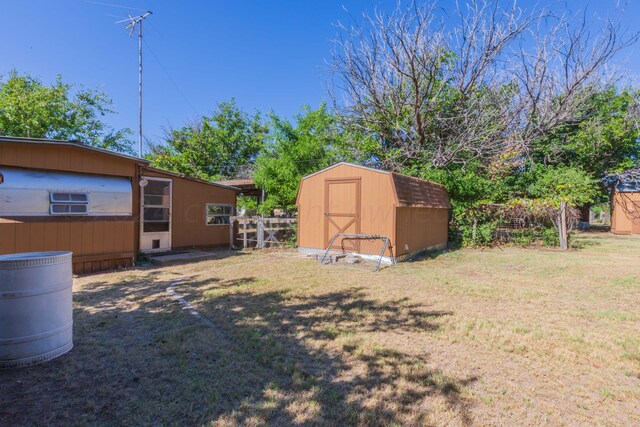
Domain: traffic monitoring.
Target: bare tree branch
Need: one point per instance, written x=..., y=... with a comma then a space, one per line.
x=486, y=87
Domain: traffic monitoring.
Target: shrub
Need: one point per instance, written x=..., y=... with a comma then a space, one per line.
x=550, y=237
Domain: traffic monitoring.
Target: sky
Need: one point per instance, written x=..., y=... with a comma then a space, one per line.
x=270, y=55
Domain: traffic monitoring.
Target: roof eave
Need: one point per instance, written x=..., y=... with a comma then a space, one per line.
x=190, y=178
x=65, y=143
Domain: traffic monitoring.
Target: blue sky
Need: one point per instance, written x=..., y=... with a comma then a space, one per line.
x=268, y=54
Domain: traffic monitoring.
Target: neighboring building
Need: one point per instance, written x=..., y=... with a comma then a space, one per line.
x=347, y=198
x=625, y=203
x=248, y=189
x=103, y=206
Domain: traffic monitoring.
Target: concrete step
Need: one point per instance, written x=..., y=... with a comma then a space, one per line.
x=184, y=256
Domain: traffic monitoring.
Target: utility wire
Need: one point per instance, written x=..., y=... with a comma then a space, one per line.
x=113, y=5
x=169, y=76
x=156, y=29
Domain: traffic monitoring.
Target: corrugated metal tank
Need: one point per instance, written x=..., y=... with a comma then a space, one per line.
x=36, y=313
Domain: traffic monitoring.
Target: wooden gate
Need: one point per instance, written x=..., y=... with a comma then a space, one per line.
x=341, y=207
x=258, y=232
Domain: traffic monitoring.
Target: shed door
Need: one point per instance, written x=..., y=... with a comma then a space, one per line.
x=341, y=207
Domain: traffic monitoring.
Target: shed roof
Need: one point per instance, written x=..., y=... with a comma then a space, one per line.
x=627, y=181
x=411, y=191
x=418, y=192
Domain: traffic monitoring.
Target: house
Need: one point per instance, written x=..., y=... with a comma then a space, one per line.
x=625, y=203
x=348, y=198
x=103, y=206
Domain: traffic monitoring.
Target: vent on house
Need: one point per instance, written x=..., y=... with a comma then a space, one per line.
x=67, y=209
x=69, y=198
x=68, y=203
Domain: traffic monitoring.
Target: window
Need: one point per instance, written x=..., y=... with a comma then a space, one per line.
x=68, y=198
x=219, y=214
x=68, y=203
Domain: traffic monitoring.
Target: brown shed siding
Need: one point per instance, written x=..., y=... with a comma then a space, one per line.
x=376, y=206
x=188, y=214
x=420, y=228
x=97, y=243
x=625, y=217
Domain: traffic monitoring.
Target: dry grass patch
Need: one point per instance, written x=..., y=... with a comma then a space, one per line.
x=493, y=337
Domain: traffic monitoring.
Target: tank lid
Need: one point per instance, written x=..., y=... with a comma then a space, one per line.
x=33, y=259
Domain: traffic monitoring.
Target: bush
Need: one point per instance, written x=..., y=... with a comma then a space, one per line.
x=550, y=237
x=483, y=235
x=524, y=238
x=292, y=240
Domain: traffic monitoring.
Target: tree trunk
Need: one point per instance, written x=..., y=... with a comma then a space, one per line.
x=562, y=226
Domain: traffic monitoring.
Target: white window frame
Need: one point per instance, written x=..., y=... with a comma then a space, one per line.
x=206, y=213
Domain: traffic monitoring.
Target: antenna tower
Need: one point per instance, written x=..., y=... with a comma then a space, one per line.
x=133, y=22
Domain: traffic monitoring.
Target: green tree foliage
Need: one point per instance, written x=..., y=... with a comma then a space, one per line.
x=223, y=145
x=602, y=139
x=29, y=108
x=470, y=189
x=313, y=142
x=565, y=184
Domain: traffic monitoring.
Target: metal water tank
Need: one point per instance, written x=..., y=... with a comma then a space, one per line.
x=36, y=313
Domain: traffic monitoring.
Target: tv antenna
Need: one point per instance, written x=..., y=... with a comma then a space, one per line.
x=133, y=22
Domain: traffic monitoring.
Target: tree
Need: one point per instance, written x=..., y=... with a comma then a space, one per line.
x=564, y=186
x=603, y=139
x=295, y=150
x=479, y=97
x=486, y=87
x=29, y=108
x=224, y=145
x=430, y=95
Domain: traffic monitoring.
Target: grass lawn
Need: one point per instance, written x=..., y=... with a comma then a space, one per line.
x=471, y=337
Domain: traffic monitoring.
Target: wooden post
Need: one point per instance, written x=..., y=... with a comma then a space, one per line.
x=244, y=232
x=260, y=232
x=231, y=236
x=562, y=222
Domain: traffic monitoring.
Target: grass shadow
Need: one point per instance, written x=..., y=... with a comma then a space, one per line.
x=274, y=357
x=320, y=373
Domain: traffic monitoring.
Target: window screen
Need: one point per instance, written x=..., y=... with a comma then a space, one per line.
x=218, y=214
x=157, y=206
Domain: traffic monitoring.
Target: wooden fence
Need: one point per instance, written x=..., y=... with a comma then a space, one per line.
x=258, y=232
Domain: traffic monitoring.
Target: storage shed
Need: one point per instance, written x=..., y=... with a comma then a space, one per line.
x=103, y=206
x=625, y=203
x=348, y=198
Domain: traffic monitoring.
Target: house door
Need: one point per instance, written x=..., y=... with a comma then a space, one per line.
x=155, y=235
x=341, y=207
